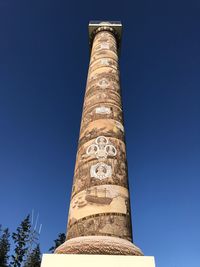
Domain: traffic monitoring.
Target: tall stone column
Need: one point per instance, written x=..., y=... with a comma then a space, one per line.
x=99, y=220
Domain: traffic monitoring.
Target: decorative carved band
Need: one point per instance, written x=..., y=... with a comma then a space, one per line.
x=106, y=29
x=102, y=245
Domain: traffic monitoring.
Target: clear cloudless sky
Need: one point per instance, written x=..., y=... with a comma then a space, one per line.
x=44, y=56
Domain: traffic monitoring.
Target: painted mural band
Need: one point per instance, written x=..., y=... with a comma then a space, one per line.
x=103, y=111
x=104, y=37
x=104, y=54
x=101, y=41
x=105, y=43
x=110, y=97
x=106, y=127
x=92, y=172
x=114, y=101
x=94, y=77
x=106, y=64
x=105, y=47
x=107, y=224
x=103, y=85
x=99, y=199
x=108, y=44
x=104, y=69
x=104, y=61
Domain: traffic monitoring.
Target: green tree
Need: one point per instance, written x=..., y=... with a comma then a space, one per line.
x=21, y=240
x=57, y=242
x=4, y=247
x=34, y=258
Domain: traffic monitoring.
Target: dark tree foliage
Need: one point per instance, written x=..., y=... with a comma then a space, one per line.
x=57, y=242
x=34, y=258
x=21, y=239
x=27, y=249
x=4, y=247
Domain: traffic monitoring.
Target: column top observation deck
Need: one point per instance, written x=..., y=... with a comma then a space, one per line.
x=113, y=26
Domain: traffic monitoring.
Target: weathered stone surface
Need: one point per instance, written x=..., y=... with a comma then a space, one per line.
x=100, y=196
x=103, y=245
x=99, y=220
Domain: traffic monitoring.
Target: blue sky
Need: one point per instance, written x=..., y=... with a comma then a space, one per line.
x=44, y=57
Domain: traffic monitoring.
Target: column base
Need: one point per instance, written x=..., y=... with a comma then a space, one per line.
x=103, y=245
x=53, y=260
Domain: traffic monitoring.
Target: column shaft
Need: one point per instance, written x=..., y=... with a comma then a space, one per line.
x=100, y=196
x=99, y=220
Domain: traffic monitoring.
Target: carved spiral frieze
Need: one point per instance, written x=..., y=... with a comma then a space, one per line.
x=100, y=198
x=99, y=220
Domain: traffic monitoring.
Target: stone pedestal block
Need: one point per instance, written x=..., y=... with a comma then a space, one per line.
x=73, y=260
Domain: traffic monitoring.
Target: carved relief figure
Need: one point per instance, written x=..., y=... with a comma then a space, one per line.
x=100, y=171
x=98, y=199
x=104, y=127
x=103, y=111
x=102, y=148
x=111, y=224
